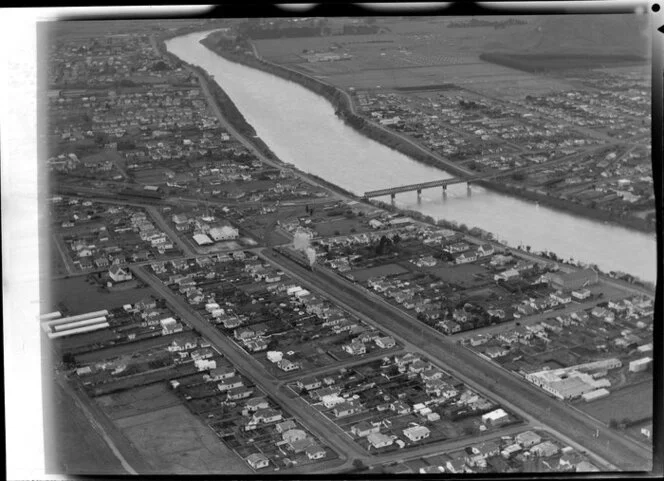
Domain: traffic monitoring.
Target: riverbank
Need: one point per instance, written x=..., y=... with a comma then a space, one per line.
x=341, y=102
x=568, y=206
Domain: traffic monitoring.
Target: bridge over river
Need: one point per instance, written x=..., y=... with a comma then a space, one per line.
x=392, y=191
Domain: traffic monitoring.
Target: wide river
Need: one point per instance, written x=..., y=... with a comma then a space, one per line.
x=302, y=129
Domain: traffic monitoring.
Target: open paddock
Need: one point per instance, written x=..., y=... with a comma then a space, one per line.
x=80, y=295
x=179, y=443
x=384, y=270
x=633, y=403
x=462, y=274
x=137, y=401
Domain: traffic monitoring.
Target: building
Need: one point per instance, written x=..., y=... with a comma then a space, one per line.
x=528, y=439
x=496, y=417
x=345, y=409
x=257, y=461
x=222, y=233
x=545, y=449
x=379, y=440
x=285, y=426
x=385, y=342
x=594, y=395
x=416, y=433
x=315, y=452
x=364, y=428
x=202, y=239
x=293, y=435
x=640, y=364
x=118, y=274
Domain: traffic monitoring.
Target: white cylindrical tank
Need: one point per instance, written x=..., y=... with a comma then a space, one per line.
x=80, y=330
x=50, y=316
x=74, y=325
x=80, y=317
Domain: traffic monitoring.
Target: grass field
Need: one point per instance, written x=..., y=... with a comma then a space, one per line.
x=137, y=401
x=633, y=402
x=384, y=270
x=179, y=443
x=461, y=274
x=80, y=296
x=72, y=445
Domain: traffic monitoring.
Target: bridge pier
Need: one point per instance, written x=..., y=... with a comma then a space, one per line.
x=393, y=196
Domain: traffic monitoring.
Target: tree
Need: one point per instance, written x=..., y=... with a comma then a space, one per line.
x=359, y=465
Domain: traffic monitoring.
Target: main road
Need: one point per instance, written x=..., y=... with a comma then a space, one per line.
x=478, y=373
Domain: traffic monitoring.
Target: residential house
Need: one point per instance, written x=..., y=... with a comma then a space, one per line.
x=380, y=440
x=293, y=435
x=364, y=428
x=416, y=433
x=315, y=452
x=346, y=409
x=287, y=365
x=256, y=404
x=118, y=274
x=545, y=449
x=285, y=426
x=309, y=383
x=257, y=461
x=267, y=415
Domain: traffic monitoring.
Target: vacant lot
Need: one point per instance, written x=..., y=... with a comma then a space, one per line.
x=385, y=270
x=137, y=401
x=79, y=295
x=179, y=443
x=633, y=403
x=74, y=447
x=462, y=274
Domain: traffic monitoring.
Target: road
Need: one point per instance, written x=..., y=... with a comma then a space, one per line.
x=506, y=387
x=163, y=225
x=315, y=421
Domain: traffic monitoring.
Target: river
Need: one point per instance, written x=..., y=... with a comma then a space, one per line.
x=302, y=129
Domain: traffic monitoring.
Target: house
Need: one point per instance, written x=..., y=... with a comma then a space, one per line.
x=379, y=440
x=457, y=465
x=465, y=257
x=486, y=449
x=240, y=392
x=545, y=449
x=257, y=461
x=385, y=342
x=266, y=416
x=400, y=407
x=355, y=348
x=293, y=435
x=364, y=428
x=301, y=445
x=224, y=233
x=256, y=345
x=346, y=409
x=118, y=274
x=495, y=417
x=257, y=403
x=286, y=365
x=222, y=372
x=416, y=433
x=148, y=302
x=170, y=326
x=495, y=351
x=485, y=250
x=309, y=383
x=528, y=439
x=285, y=426
x=315, y=452
x=228, y=384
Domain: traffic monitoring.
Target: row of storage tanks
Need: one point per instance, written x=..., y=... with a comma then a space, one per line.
x=57, y=326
